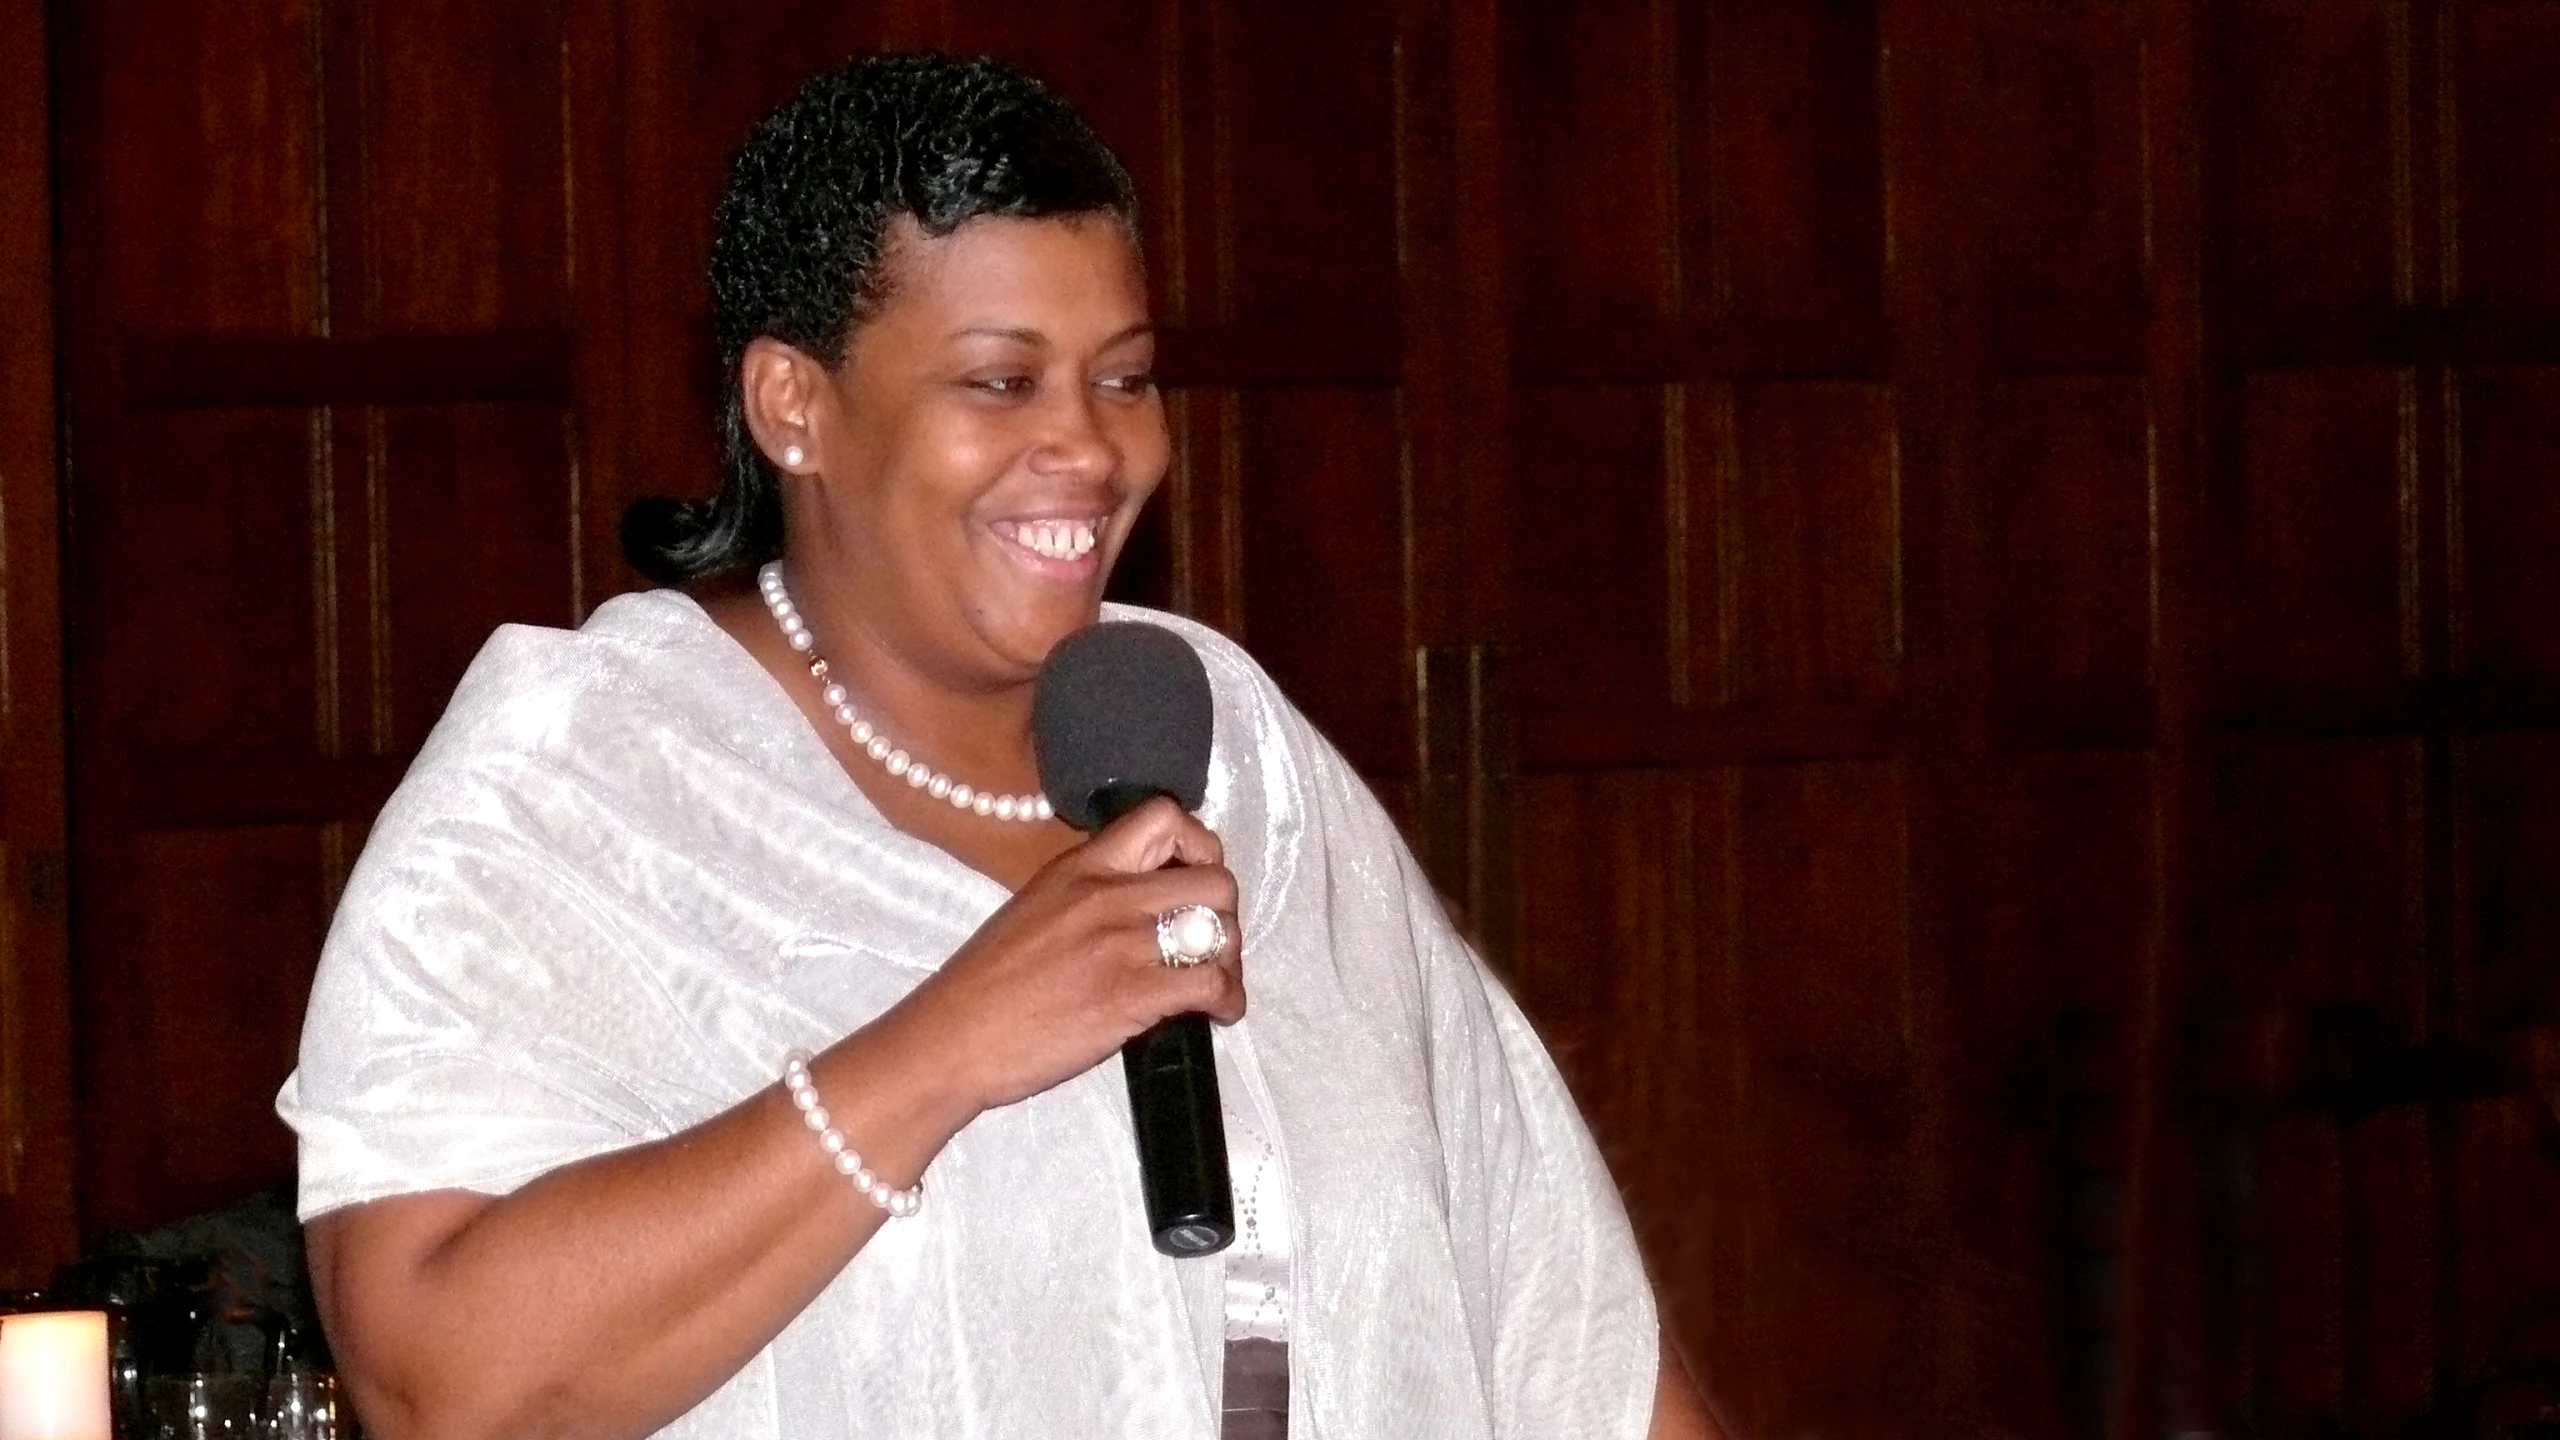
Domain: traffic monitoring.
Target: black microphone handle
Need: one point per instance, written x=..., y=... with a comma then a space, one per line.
x=1182, y=1136
x=1173, y=1103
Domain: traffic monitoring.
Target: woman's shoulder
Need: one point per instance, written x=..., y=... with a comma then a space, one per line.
x=534, y=688
x=617, y=710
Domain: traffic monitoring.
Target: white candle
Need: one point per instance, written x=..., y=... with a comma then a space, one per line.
x=53, y=1376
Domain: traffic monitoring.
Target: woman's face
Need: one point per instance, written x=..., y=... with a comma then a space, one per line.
x=984, y=449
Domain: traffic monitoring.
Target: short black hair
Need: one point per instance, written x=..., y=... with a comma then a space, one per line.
x=798, y=235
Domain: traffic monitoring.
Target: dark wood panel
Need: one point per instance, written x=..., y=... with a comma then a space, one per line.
x=1276, y=351
x=188, y=371
x=269, y=574
x=2067, y=909
x=1766, y=1170
x=2056, y=912
x=1826, y=973
x=1201, y=507
x=1827, y=1000
x=2169, y=1369
x=473, y=532
x=2508, y=529
x=1579, y=727
x=2446, y=707
x=212, y=633
x=2506, y=201
x=1592, y=827
x=2315, y=124
x=1587, y=165
x=2508, y=1188
x=1323, y=564
x=216, y=1017
x=211, y=214
x=2298, y=1306
x=1638, y=349
x=1590, y=547
x=1778, y=118
x=464, y=182
x=2314, y=899
x=2471, y=333
x=2507, y=838
x=1810, y=549
x=2063, y=243
x=2390, y=1316
x=2066, y=501
x=2323, y=567
x=2026, y=339
x=38, y=1219
x=1306, y=183
x=595, y=42
x=232, y=792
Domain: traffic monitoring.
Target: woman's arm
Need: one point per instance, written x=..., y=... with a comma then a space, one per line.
x=1678, y=1412
x=610, y=1296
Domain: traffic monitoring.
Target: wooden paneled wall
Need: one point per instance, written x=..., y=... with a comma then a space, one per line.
x=1955, y=587
x=37, y=1213
x=2374, y=985
x=2007, y=690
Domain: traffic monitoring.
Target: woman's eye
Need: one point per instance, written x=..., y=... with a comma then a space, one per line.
x=1141, y=383
x=1009, y=386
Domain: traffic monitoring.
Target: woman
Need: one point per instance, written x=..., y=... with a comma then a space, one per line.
x=565, y=1167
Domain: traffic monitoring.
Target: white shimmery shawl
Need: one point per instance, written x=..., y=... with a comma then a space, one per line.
x=625, y=876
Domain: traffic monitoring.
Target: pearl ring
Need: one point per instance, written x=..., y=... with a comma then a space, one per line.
x=1190, y=935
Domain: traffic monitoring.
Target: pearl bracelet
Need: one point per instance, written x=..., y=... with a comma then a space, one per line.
x=804, y=1094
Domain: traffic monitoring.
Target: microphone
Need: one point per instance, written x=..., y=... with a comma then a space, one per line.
x=1122, y=715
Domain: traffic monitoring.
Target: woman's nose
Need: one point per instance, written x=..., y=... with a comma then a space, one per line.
x=1076, y=436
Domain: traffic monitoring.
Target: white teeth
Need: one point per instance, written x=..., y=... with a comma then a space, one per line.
x=1056, y=539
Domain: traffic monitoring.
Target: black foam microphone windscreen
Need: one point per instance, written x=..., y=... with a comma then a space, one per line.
x=1122, y=715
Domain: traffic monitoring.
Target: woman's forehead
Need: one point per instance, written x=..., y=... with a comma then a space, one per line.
x=1052, y=275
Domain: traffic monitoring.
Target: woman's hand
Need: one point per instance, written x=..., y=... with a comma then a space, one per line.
x=1068, y=970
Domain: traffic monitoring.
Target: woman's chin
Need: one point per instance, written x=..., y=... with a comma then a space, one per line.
x=1026, y=637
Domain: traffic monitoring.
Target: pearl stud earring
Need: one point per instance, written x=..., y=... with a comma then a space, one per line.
x=792, y=455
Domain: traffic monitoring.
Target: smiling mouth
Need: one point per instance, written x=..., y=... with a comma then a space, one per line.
x=1061, y=540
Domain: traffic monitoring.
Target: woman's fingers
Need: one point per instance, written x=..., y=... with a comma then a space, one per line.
x=1225, y=983
x=1071, y=967
x=1157, y=891
x=1130, y=901
x=1214, y=988
x=1156, y=834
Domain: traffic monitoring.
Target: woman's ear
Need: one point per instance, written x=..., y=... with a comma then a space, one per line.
x=779, y=388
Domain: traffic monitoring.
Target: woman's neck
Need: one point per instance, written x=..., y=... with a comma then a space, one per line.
x=975, y=728
x=976, y=734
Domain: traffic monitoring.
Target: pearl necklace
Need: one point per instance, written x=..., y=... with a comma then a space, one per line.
x=867, y=737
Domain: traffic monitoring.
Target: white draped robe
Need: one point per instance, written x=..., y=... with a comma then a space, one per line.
x=625, y=876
